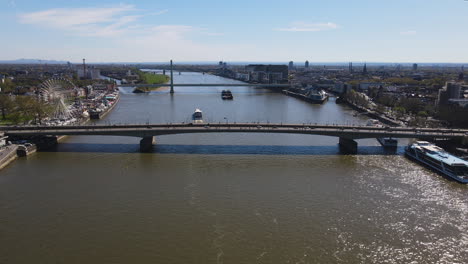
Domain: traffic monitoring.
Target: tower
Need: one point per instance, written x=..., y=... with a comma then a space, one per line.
x=365, y=69
x=84, y=69
x=350, y=67
x=172, y=80
x=306, y=65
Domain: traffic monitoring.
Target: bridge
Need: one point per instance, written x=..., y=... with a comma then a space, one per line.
x=208, y=85
x=172, y=84
x=346, y=133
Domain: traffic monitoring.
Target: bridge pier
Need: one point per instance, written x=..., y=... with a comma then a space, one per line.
x=146, y=144
x=348, y=145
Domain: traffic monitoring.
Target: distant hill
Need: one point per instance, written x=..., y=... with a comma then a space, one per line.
x=32, y=61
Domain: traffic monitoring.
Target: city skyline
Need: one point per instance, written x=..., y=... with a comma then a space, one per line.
x=318, y=31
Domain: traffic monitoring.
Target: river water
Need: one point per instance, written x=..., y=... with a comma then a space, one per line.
x=227, y=198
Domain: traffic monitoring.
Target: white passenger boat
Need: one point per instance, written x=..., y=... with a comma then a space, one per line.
x=439, y=160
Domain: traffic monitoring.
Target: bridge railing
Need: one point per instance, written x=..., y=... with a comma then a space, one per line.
x=237, y=125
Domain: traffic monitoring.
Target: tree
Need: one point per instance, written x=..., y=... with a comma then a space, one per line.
x=7, y=86
x=422, y=114
x=399, y=111
x=380, y=108
x=6, y=104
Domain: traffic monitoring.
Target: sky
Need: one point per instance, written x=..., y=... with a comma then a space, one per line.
x=240, y=30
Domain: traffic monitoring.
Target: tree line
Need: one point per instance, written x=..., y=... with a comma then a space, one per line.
x=23, y=109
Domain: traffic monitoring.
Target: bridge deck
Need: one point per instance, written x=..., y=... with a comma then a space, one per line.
x=208, y=85
x=146, y=130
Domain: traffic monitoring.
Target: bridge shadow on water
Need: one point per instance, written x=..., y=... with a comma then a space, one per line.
x=221, y=149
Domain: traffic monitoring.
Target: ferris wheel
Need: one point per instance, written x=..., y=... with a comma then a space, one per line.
x=57, y=92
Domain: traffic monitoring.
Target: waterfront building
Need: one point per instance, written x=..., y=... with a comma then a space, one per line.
x=267, y=73
x=244, y=76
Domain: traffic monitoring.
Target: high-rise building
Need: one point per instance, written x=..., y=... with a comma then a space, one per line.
x=350, y=67
x=306, y=65
x=291, y=66
x=450, y=91
x=267, y=73
x=364, y=70
x=415, y=66
x=84, y=68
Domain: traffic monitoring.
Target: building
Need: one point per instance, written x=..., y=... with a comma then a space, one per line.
x=306, y=65
x=267, y=73
x=291, y=66
x=88, y=73
x=415, y=67
x=243, y=76
x=364, y=86
x=452, y=90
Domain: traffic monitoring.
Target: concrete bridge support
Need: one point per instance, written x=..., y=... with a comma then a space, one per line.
x=348, y=145
x=146, y=144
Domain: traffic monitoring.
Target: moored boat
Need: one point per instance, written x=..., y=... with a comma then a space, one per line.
x=388, y=142
x=316, y=96
x=437, y=159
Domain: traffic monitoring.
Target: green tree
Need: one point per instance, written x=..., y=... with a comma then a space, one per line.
x=399, y=111
x=6, y=105
x=7, y=86
x=422, y=114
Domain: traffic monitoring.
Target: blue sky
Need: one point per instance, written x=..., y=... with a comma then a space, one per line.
x=318, y=31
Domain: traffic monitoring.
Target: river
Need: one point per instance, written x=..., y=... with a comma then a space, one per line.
x=227, y=198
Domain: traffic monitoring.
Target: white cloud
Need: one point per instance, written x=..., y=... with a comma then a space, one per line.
x=408, y=33
x=164, y=11
x=132, y=40
x=309, y=27
x=97, y=21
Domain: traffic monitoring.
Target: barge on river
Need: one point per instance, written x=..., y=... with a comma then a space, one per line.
x=437, y=159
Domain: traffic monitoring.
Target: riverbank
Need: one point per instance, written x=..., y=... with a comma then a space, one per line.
x=109, y=109
x=151, y=78
x=7, y=155
x=372, y=113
